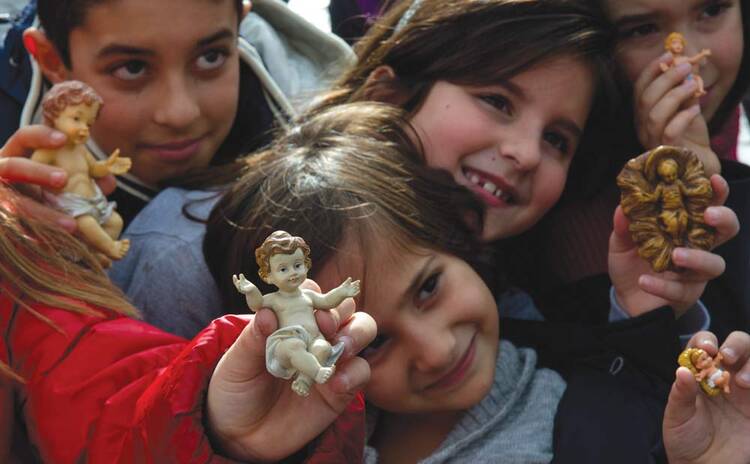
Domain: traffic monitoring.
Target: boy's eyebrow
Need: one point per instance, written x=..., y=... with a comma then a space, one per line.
x=121, y=49
x=416, y=281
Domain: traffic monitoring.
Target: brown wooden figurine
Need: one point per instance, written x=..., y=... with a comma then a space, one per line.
x=664, y=194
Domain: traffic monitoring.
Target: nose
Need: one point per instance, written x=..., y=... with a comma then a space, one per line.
x=178, y=106
x=434, y=349
x=524, y=151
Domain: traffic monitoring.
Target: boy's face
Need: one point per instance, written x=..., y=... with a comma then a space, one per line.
x=643, y=25
x=437, y=327
x=168, y=72
x=287, y=271
x=76, y=120
x=510, y=143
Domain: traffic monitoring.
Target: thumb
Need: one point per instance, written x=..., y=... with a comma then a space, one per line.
x=681, y=403
x=620, y=240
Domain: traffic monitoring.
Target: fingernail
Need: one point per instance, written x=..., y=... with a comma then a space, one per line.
x=57, y=137
x=688, y=84
x=711, y=215
x=680, y=254
x=744, y=377
x=348, y=345
x=708, y=342
x=665, y=57
x=57, y=178
x=729, y=354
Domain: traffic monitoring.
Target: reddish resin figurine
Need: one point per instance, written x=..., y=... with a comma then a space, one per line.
x=297, y=348
x=665, y=194
x=675, y=44
x=71, y=107
x=708, y=371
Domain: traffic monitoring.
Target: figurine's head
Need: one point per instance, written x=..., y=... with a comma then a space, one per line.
x=472, y=49
x=283, y=260
x=675, y=43
x=700, y=359
x=667, y=169
x=71, y=107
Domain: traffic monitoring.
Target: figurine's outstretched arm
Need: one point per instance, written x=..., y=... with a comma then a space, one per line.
x=704, y=53
x=252, y=295
x=336, y=296
x=112, y=165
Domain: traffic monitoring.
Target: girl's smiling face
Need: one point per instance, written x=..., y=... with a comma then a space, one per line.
x=643, y=25
x=510, y=143
x=437, y=326
x=168, y=72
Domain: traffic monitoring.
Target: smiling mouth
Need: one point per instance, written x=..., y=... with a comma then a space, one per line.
x=459, y=371
x=487, y=186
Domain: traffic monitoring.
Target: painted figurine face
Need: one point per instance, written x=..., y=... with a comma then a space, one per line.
x=511, y=143
x=716, y=25
x=676, y=46
x=170, y=84
x=704, y=361
x=437, y=328
x=76, y=120
x=668, y=170
x=288, y=271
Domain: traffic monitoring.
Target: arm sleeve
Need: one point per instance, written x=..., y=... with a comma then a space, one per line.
x=120, y=390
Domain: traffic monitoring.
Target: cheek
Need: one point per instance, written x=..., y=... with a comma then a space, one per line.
x=632, y=61
x=119, y=123
x=219, y=98
x=549, y=186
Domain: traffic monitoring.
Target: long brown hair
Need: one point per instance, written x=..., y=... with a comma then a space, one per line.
x=351, y=167
x=42, y=264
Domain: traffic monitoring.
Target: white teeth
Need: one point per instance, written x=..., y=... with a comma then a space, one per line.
x=490, y=187
x=474, y=179
x=498, y=193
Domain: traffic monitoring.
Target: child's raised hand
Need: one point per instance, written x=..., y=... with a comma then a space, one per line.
x=666, y=112
x=639, y=289
x=242, y=284
x=254, y=416
x=702, y=429
x=118, y=165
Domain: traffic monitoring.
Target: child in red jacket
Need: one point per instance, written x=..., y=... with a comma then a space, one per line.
x=89, y=383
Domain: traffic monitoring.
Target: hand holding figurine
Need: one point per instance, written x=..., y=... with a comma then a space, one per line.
x=699, y=428
x=254, y=416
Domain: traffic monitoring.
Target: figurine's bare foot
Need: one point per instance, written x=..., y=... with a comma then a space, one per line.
x=324, y=374
x=119, y=249
x=301, y=385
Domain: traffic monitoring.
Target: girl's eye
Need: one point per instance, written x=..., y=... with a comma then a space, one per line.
x=283, y=269
x=498, y=102
x=297, y=266
x=429, y=288
x=130, y=71
x=558, y=141
x=211, y=60
x=374, y=347
x=714, y=9
x=640, y=30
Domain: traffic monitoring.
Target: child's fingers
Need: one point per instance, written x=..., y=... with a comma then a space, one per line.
x=701, y=265
x=704, y=340
x=720, y=188
x=245, y=359
x=680, y=295
x=620, y=241
x=678, y=125
x=650, y=72
x=660, y=86
x=27, y=139
x=349, y=378
x=681, y=403
x=724, y=220
x=357, y=333
x=736, y=350
x=23, y=170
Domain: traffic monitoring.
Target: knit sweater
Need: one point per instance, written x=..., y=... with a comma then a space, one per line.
x=512, y=424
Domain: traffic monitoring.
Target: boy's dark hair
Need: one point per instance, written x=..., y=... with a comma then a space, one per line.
x=349, y=168
x=59, y=17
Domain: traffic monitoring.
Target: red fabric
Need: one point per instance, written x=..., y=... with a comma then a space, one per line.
x=114, y=389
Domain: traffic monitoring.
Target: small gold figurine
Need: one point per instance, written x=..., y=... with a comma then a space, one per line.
x=297, y=347
x=664, y=194
x=675, y=44
x=72, y=107
x=713, y=378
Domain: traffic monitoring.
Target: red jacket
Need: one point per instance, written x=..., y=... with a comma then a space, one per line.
x=114, y=389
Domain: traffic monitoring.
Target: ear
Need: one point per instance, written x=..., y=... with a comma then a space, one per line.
x=382, y=85
x=45, y=54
